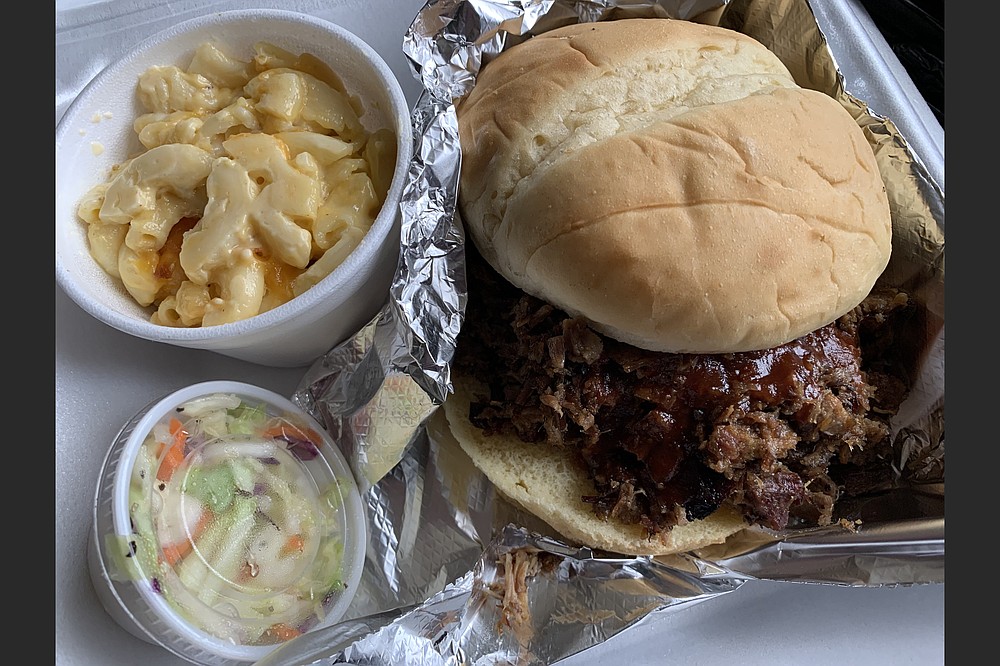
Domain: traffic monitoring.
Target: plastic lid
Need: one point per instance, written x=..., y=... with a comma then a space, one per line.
x=232, y=524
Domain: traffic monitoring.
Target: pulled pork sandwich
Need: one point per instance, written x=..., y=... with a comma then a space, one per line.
x=672, y=329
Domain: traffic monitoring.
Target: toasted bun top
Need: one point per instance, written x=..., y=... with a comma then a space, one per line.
x=671, y=183
x=549, y=484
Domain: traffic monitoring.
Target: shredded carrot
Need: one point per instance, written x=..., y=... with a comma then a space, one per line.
x=173, y=553
x=294, y=544
x=175, y=454
x=286, y=429
x=283, y=632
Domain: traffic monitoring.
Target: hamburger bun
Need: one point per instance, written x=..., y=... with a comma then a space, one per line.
x=671, y=183
x=547, y=483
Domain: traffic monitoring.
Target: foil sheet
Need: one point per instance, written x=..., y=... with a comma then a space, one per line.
x=483, y=616
x=445, y=551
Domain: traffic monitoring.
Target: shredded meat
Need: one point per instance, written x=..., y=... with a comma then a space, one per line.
x=780, y=433
x=514, y=570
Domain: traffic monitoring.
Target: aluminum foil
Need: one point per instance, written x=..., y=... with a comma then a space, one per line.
x=454, y=573
x=484, y=617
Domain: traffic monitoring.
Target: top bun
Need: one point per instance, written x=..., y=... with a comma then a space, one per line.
x=671, y=183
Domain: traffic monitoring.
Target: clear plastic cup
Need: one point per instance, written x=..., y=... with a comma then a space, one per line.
x=226, y=522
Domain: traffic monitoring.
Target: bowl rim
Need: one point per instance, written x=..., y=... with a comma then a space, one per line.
x=304, y=305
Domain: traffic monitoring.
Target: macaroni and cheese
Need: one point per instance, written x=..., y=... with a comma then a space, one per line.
x=256, y=180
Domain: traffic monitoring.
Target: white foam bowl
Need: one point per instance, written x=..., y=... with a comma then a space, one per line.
x=134, y=601
x=96, y=133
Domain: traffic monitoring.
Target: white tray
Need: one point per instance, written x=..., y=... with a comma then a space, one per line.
x=103, y=377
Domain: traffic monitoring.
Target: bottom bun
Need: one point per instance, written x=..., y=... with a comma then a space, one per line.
x=550, y=484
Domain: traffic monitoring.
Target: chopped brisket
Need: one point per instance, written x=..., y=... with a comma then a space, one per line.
x=667, y=437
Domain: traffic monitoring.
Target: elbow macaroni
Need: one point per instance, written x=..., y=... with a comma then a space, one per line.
x=256, y=182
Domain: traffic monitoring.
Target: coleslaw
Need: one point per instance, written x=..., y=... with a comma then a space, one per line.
x=237, y=520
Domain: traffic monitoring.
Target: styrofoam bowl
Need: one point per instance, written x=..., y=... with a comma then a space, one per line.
x=96, y=133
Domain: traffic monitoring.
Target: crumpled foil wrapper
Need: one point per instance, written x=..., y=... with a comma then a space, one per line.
x=455, y=574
